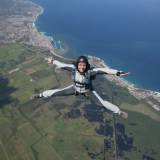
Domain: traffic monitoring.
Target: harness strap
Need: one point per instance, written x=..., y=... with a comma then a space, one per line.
x=76, y=82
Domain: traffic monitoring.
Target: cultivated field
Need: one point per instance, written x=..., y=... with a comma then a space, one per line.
x=66, y=127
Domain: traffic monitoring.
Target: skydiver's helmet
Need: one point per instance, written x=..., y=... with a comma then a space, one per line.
x=83, y=59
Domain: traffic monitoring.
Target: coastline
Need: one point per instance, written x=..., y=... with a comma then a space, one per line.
x=44, y=40
x=141, y=94
x=40, y=39
x=151, y=97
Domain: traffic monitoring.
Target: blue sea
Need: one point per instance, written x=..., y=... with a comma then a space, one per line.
x=125, y=33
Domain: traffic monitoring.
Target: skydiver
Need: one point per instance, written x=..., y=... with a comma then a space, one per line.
x=83, y=74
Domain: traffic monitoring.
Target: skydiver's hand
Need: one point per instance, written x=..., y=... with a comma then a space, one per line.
x=49, y=60
x=121, y=73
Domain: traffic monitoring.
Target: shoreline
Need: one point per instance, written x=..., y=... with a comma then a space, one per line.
x=152, y=97
x=139, y=93
x=46, y=38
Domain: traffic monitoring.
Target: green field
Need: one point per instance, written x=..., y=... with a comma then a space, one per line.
x=66, y=128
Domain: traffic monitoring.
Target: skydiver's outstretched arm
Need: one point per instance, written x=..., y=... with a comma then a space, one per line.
x=109, y=71
x=59, y=64
x=111, y=107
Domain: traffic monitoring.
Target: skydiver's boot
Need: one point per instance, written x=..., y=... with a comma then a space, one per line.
x=36, y=95
x=124, y=114
x=76, y=93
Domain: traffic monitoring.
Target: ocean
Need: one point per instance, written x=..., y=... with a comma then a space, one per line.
x=124, y=33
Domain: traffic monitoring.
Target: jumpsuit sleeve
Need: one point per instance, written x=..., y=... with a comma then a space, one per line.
x=59, y=64
x=105, y=71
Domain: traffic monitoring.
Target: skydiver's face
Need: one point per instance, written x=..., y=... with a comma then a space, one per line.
x=82, y=67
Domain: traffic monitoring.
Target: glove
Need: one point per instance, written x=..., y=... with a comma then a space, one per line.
x=49, y=60
x=119, y=73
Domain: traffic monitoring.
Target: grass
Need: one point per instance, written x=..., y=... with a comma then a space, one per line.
x=142, y=108
x=41, y=129
x=146, y=133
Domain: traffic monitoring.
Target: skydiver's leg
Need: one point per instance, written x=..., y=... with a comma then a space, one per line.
x=109, y=106
x=52, y=92
x=106, y=104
